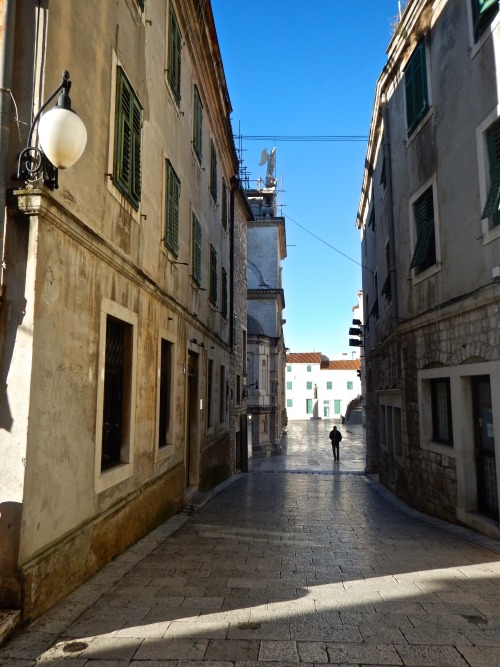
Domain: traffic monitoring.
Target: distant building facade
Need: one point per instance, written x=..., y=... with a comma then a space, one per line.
x=266, y=248
x=319, y=388
x=430, y=231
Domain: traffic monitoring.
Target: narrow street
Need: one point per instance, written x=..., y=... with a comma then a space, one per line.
x=300, y=560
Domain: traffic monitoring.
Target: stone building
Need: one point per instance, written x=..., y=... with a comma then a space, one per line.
x=123, y=300
x=266, y=246
x=430, y=229
x=318, y=387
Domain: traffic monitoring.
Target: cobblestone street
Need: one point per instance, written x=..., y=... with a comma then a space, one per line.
x=302, y=560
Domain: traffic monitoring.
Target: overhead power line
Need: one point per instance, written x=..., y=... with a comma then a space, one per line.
x=327, y=244
x=303, y=137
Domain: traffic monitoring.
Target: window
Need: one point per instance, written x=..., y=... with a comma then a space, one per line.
x=213, y=171
x=417, y=101
x=222, y=398
x=424, y=254
x=210, y=393
x=492, y=206
x=127, y=150
x=288, y=369
x=234, y=331
x=224, y=205
x=172, y=196
x=289, y=402
x=174, y=55
x=308, y=369
x=117, y=393
x=224, y=305
x=441, y=411
x=329, y=385
x=349, y=385
x=483, y=12
x=289, y=386
x=309, y=406
x=309, y=385
x=213, y=275
x=336, y=406
x=165, y=391
x=196, y=248
x=197, y=124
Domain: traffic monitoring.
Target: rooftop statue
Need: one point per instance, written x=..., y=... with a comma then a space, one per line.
x=270, y=158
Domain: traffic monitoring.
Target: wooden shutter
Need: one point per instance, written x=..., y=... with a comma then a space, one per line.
x=213, y=274
x=492, y=205
x=417, y=101
x=197, y=125
x=224, y=293
x=128, y=130
x=425, y=249
x=213, y=171
x=174, y=56
x=173, y=191
x=196, y=250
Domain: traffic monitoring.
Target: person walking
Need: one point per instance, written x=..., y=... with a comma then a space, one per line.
x=335, y=437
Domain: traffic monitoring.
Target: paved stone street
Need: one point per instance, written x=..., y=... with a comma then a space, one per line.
x=300, y=560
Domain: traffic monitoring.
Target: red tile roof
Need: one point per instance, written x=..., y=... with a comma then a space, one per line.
x=341, y=365
x=304, y=358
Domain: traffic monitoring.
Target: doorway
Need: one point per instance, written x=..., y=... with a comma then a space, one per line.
x=484, y=442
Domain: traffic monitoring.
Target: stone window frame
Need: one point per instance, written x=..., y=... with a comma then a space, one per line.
x=106, y=479
x=475, y=44
x=489, y=233
x=463, y=450
x=392, y=399
x=418, y=277
x=166, y=452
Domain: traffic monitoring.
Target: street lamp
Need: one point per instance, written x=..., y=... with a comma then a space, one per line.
x=245, y=390
x=62, y=136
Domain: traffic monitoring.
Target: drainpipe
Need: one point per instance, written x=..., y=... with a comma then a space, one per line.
x=7, y=33
x=386, y=146
x=235, y=185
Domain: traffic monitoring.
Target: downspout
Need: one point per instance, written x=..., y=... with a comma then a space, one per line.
x=7, y=34
x=386, y=147
x=235, y=185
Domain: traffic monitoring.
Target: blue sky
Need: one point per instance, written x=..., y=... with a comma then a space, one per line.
x=309, y=69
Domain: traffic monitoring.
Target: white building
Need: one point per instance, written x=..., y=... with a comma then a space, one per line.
x=317, y=388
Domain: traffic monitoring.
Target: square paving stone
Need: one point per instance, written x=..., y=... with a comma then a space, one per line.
x=479, y=656
x=314, y=652
x=273, y=651
x=232, y=649
x=430, y=656
x=111, y=648
x=435, y=636
x=366, y=654
x=172, y=649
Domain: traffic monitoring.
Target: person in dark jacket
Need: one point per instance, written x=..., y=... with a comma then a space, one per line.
x=335, y=437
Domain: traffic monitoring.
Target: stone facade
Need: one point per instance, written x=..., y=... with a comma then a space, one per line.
x=120, y=291
x=430, y=243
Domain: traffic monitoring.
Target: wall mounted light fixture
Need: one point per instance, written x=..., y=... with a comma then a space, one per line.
x=62, y=136
x=244, y=393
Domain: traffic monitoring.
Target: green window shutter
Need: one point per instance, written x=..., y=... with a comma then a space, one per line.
x=424, y=254
x=289, y=402
x=309, y=369
x=224, y=204
x=492, y=205
x=234, y=330
x=329, y=385
x=289, y=386
x=174, y=56
x=288, y=369
x=127, y=149
x=213, y=171
x=309, y=385
x=141, y=4
x=336, y=406
x=173, y=191
x=309, y=406
x=224, y=307
x=196, y=250
x=417, y=102
x=213, y=275
x=484, y=12
x=349, y=385
x=197, y=124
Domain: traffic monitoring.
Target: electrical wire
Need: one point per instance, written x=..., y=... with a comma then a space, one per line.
x=303, y=137
x=328, y=244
